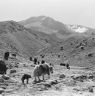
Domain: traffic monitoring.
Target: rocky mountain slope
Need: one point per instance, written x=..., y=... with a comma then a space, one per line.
x=26, y=38
x=68, y=37
x=50, y=26
x=15, y=37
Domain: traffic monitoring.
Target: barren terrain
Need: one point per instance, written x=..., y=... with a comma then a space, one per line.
x=78, y=81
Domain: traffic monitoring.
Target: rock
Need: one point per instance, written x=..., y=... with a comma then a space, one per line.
x=47, y=85
x=1, y=90
x=54, y=82
x=50, y=83
x=5, y=77
x=1, y=80
x=62, y=76
x=75, y=89
x=80, y=78
x=70, y=82
x=91, y=89
x=91, y=77
x=12, y=71
x=90, y=55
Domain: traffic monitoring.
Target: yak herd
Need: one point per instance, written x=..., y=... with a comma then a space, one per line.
x=41, y=68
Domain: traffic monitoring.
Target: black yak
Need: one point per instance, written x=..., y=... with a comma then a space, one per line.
x=65, y=63
x=62, y=64
x=3, y=67
x=41, y=70
x=25, y=77
x=30, y=58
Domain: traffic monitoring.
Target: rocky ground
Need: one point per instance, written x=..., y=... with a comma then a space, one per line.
x=77, y=81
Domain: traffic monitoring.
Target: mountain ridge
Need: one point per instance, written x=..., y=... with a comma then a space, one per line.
x=32, y=41
x=48, y=22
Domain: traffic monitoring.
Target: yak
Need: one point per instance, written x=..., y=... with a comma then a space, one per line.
x=41, y=70
x=3, y=67
x=25, y=77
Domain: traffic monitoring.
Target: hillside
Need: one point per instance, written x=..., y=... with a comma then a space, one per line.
x=28, y=41
x=15, y=37
x=55, y=43
x=63, y=35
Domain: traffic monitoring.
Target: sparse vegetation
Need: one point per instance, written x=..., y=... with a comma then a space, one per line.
x=54, y=43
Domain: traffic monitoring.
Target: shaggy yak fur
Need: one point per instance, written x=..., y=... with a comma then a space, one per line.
x=41, y=70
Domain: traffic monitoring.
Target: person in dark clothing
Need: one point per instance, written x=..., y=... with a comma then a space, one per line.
x=30, y=58
x=35, y=60
x=3, y=67
x=6, y=55
x=67, y=65
x=42, y=62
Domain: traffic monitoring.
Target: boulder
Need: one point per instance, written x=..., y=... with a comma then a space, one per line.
x=47, y=85
x=54, y=82
x=62, y=76
x=5, y=77
x=80, y=78
x=91, y=89
x=13, y=71
x=1, y=90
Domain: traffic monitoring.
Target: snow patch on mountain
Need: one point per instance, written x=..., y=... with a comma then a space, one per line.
x=78, y=28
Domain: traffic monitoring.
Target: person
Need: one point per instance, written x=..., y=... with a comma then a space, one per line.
x=42, y=62
x=67, y=64
x=35, y=60
x=6, y=55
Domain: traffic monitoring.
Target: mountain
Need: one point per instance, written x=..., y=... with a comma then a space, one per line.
x=15, y=37
x=73, y=42
x=50, y=26
x=47, y=25
x=27, y=39
x=43, y=23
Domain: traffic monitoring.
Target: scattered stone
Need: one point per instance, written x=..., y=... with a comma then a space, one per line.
x=90, y=55
x=12, y=71
x=1, y=80
x=5, y=77
x=62, y=76
x=91, y=89
x=91, y=77
x=47, y=85
x=80, y=78
x=54, y=82
x=1, y=90
x=71, y=83
x=75, y=89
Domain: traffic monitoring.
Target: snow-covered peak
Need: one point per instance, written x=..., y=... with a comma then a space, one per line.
x=78, y=28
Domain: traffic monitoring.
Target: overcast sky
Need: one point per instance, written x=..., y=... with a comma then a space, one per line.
x=67, y=11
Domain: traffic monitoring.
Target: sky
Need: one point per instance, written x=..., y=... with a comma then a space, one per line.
x=81, y=12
